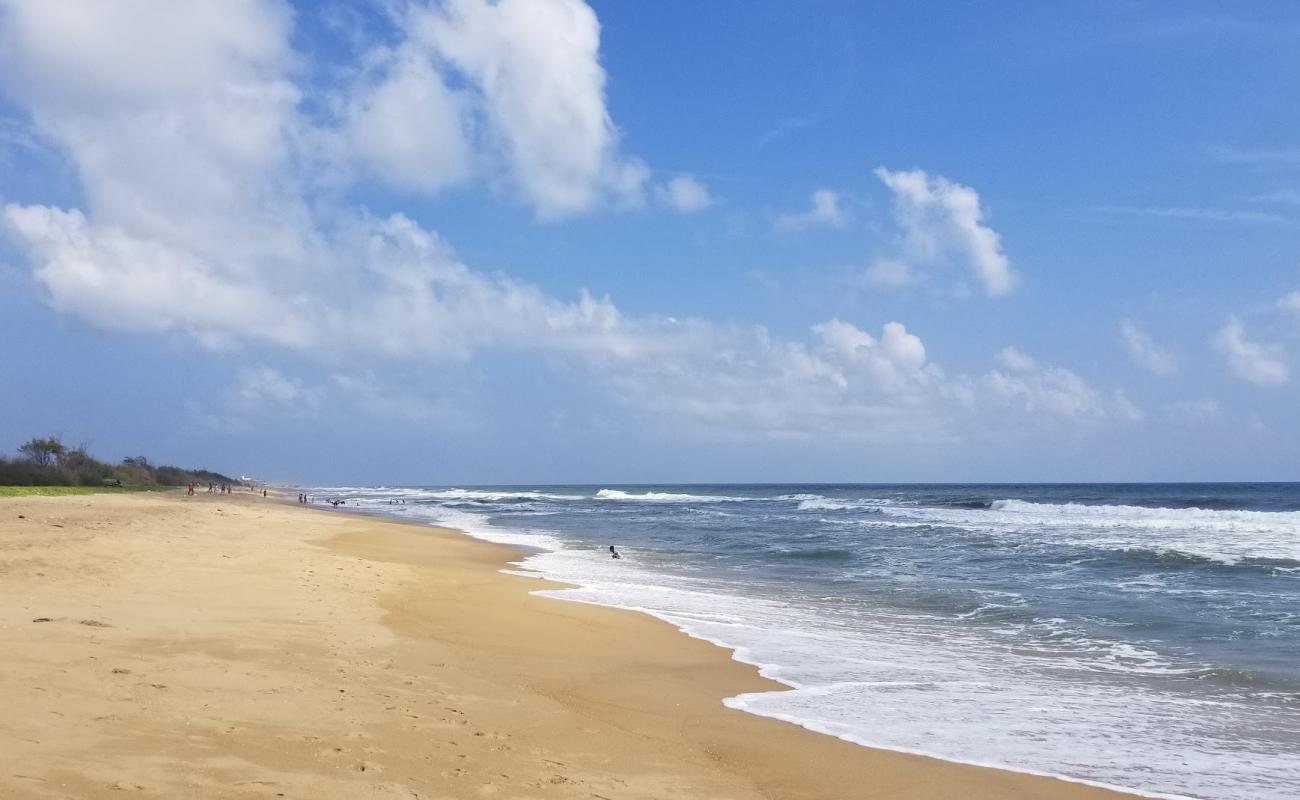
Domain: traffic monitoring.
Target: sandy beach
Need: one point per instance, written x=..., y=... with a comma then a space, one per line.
x=233, y=646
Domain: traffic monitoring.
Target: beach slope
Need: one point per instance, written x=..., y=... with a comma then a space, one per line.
x=236, y=647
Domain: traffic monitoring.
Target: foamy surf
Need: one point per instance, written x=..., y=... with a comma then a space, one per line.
x=950, y=614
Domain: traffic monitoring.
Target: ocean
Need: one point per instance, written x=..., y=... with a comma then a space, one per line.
x=1145, y=637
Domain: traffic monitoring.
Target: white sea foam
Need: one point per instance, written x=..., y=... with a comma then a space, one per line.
x=1215, y=519
x=914, y=684
x=491, y=495
x=666, y=497
x=815, y=503
x=1224, y=536
x=904, y=685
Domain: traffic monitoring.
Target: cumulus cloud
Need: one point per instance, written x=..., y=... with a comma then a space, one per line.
x=943, y=224
x=853, y=385
x=403, y=125
x=1257, y=363
x=1146, y=351
x=1056, y=391
x=197, y=217
x=684, y=194
x=120, y=281
x=1015, y=360
x=178, y=122
x=262, y=387
x=826, y=209
x=509, y=92
x=541, y=91
x=201, y=216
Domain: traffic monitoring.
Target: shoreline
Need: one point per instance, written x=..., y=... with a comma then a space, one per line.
x=521, y=553
x=261, y=651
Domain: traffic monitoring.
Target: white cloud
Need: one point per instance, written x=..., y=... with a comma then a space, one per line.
x=892, y=359
x=262, y=387
x=684, y=194
x=201, y=215
x=63, y=52
x=1014, y=359
x=942, y=222
x=1147, y=352
x=1260, y=364
x=535, y=67
x=737, y=383
x=826, y=209
x=1055, y=392
x=890, y=272
x=178, y=122
x=1290, y=303
x=405, y=127
x=197, y=217
x=847, y=384
x=527, y=109
x=118, y=281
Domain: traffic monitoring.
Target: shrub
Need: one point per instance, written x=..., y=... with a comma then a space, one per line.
x=48, y=462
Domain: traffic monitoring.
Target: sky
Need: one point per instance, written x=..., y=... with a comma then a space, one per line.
x=547, y=241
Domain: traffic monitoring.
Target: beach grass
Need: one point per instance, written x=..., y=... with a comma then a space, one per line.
x=28, y=491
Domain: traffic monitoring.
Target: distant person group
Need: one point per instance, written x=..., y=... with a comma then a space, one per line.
x=216, y=488
x=334, y=501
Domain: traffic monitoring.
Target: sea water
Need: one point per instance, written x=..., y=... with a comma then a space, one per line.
x=1145, y=637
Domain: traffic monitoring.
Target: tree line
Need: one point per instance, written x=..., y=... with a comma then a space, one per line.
x=49, y=462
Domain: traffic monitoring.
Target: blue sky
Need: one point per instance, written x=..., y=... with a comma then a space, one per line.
x=545, y=241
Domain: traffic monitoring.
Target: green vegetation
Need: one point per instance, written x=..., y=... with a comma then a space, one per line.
x=27, y=491
x=48, y=466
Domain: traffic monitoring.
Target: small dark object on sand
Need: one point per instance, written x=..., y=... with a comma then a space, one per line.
x=43, y=619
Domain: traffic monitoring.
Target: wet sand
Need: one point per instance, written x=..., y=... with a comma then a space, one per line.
x=160, y=646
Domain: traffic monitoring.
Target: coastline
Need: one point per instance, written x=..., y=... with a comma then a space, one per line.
x=240, y=647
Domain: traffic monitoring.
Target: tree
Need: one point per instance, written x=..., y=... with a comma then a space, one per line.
x=43, y=452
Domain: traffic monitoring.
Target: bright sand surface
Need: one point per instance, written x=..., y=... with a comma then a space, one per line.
x=231, y=646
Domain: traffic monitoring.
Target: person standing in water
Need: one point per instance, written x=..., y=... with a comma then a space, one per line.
x=613, y=553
